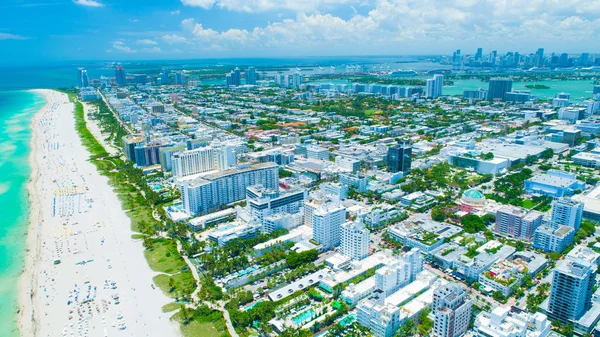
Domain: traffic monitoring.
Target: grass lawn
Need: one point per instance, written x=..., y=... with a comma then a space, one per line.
x=171, y=307
x=528, y=204
x=163, y=257
x=203, y=326
x=185, y=284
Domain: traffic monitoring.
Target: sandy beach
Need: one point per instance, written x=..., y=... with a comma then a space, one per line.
x=84, y=274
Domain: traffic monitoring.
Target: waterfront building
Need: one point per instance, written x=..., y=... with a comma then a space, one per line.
x=251, y=76
x=212, y=190
x=434, y=86
x=498, y=87
x=475, y=94
x=203, y=159
x=83, y=79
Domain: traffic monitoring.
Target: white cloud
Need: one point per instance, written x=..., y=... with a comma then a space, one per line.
x=88, y=3
x=174, y=38
x=206, y=4
x=176, y=12
x=146, y=42
x=403, y=26
x=7, y=36
x=122, y=47
x=253, y=6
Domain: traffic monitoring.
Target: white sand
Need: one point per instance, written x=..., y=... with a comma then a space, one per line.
x=76, y=217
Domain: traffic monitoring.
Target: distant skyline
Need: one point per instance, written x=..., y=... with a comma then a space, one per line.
x=51, y=30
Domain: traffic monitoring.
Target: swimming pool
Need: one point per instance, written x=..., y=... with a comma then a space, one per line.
x=157, y=187
x=249, y=307
x=304, y=317
x=347, y=320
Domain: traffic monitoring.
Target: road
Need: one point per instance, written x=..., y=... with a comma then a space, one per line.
x=492, y=301
x=116, y=115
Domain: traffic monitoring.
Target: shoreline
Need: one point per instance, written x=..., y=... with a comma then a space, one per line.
x=27, y=316
x=74, y=226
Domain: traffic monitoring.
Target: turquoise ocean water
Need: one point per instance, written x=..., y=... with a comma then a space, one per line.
x=16, y=110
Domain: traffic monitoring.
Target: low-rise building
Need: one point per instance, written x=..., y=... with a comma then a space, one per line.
x=501, y=322
x=422, y=233
x=554, y=184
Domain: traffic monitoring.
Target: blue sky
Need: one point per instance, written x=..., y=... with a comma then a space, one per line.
x=40, y=30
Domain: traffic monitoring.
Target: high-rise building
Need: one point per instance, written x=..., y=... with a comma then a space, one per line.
x=434, y=86
x=83, y=79
x=203, y=159
x=567, y=212
x=263, y=202
x=515, y=222
x=147, y=154
x=164, y=76
x=297, y=80
x=120, y=76
x=212, y=190
x=399, y=158
x=572, y=287
x=354, y=240
x=452, y=311
x=180, y=78
x=596, y=89
x=498, y=87
x=479, y=54
x=234, y=78
x=327, y=221
x=251, y=75
x=539, y=57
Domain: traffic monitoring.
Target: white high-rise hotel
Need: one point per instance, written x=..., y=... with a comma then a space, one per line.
x=354, y=240
x=327, y=222
x=212, y=190
x=203, y=159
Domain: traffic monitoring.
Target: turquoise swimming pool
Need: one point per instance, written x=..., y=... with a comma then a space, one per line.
x=249, y=307
x=348, y=320
x=304, y=317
